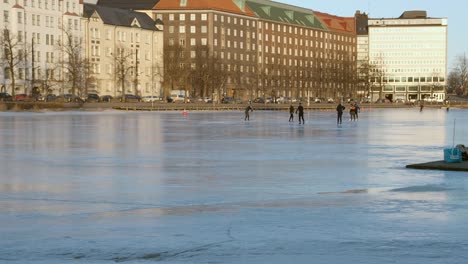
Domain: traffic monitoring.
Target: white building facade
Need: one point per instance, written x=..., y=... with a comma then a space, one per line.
x=133, y=45
x=35, y=27
x=411, y=53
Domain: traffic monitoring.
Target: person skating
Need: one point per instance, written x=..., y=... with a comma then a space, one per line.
x=352, y=112
x=300, y=110
x=358, y=109
x=291, y=113
x=339, y=110
x=247, y=110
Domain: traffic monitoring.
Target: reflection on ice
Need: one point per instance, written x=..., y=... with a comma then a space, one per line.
x=84, y=187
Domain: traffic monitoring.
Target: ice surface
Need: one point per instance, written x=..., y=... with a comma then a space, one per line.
x=104, y=187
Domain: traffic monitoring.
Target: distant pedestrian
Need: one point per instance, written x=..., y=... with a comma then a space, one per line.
x=291, y=113
x=247, y=110
x=421, y=106
x=300, y=110
x=339, y=110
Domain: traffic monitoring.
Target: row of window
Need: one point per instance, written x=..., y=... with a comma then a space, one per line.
x=47, y=4
x=183, y=17
x=409, y=79
x=267, y=26
x=193, y=29
x=95, y=33
x=36, y=20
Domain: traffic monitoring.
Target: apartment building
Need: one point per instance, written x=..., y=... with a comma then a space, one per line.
x=34, y=29
x=265, y=48
x=409, y=55
x=124, y=50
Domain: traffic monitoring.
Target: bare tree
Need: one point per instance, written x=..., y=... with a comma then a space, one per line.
x=176, y=68
x=14, y=55
x=378, y=75
x=461, y=71
x=75, y=66
x=122, y=63
x=453, y=82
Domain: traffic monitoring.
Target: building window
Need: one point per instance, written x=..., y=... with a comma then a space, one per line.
x=171, y=17
x=5, y=16
x=181, y=29
x=193, y=29
x=204, y=41
x=193, y=42
x=20, y=17
x=193, y=17
x=182, y=17
x=204, y=29
x=203, y=17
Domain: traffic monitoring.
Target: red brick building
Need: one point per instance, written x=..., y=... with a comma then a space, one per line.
x=253, y=48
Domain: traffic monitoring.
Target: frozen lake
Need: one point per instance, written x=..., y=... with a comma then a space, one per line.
x=105, y=187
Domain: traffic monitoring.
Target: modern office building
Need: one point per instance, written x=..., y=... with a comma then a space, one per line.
x=125, y=51
x=409, y=57
x=34, y=29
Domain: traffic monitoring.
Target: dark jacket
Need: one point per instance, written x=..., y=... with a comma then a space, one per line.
x=300, y=109
x=340, y=108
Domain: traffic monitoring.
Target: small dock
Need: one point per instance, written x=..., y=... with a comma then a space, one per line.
x=440, y=165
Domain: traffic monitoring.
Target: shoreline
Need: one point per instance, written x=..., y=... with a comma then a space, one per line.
x=159, y=106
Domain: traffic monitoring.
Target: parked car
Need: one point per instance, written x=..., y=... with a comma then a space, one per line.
x=5, y=97
x=366, y=101
x=92, y=97
x=228, y=100
x=22, y=97
x=400, y=101
x=106, y=98
x=178, y=98
x=259, y=100
x=231, y=100
x=69, y=98
x=50, y=98
x=330, y=100
x=204, y=100
x=129, y=98
x=150, y=98
x=317, y=100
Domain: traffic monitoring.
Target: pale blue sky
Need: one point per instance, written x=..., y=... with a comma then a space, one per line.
x=455, y=10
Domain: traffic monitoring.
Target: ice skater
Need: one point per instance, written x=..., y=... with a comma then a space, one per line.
x=352, y=112
x=291, y=113
x=358, y=109
x=339, y=110
x=247, y=110
x=300, y=110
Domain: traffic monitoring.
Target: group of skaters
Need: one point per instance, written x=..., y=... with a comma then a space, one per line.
x=299, y=110
x=354, y=109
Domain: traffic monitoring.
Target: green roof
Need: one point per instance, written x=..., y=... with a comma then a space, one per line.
x=284, y=13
